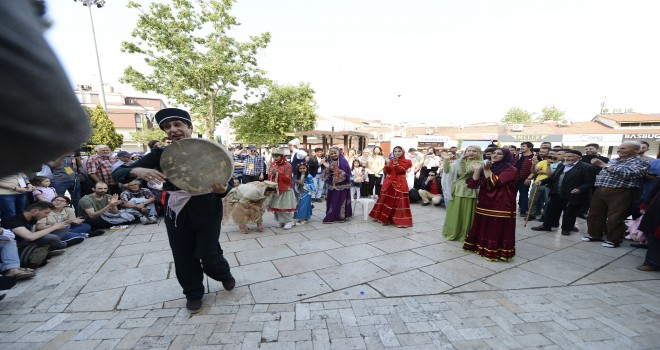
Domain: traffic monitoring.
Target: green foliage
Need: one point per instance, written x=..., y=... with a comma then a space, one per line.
x=551, y=113
x=517, y=115
x=283, y=109
x=193, y=60
x=103, y=130
x=145, y=135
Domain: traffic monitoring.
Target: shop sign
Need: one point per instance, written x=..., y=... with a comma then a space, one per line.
x=592, y=138
x=641, y=136
x=432, y=138
x=530, y=138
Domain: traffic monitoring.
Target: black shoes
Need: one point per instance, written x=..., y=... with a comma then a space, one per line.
x=73, y=241
x=426, y=204
x=639, y=245
x=565, y=233
x=542, y=228
x=229, y=283
x=575, y=229
x=194, y=306
x=95, y=233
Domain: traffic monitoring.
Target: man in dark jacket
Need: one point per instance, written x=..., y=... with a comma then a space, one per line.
x=430, y=189
x=192, y=221
x=570, y=185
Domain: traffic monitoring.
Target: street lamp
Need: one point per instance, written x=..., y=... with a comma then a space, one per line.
x=98, y=4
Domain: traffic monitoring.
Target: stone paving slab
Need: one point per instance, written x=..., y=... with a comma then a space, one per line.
x=355, y=285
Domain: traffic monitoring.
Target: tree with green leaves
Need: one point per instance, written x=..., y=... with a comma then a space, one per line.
x=193, y=60
x=517, y=115
x=103, y=130
x=283, y=109
x=551, y=113
x=145, y=135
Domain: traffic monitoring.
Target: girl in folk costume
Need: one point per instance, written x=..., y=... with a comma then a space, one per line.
x=459, y=198
x=493, y=232
x=393, y=203
x=337, y=177
x=357, y=178
x=283, y=203
x=245, y=203
x=306, y=188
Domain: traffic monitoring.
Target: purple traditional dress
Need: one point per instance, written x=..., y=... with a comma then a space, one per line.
x=337, y=178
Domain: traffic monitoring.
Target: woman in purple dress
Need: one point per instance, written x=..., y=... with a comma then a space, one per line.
x=337, y=177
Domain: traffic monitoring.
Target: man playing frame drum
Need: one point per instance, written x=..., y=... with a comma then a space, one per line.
x=193, y=220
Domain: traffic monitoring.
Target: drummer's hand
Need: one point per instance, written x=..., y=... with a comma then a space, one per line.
x=261, y=177
x=219, y=188
x=151, y=175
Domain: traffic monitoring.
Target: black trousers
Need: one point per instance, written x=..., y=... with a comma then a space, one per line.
x=97, y=223
x=194, y=238
x=250, y=178
x=554, y=210
x=374, y=185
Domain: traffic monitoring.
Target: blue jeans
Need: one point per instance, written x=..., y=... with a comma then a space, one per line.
x=11, y=204
x=151, y=207
x=320, y=186
x=77, y=230
x=9, y=255
x=62, y=187
x=523, y=196
x=539, y=201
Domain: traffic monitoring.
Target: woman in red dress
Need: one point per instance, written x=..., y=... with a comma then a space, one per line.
x=393, y=204
x=493, y=233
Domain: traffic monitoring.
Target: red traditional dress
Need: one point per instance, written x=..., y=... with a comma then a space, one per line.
x=493, y=232
x=393, y=203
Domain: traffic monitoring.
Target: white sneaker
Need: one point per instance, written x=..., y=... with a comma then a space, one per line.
x=153, y=219
x=144, y=220
x=289, y=225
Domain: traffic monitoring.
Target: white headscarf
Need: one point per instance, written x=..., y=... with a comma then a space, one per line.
x=448, y=180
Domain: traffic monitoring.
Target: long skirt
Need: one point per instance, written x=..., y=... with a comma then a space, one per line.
x=459, y=217
x=393, y=206
x=338, y=206
x=304, y=211
x=491, y=237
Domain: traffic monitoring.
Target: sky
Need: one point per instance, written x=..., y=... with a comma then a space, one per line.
x=438, y=61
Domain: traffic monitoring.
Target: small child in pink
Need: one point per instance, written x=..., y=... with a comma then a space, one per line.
x=43, y=193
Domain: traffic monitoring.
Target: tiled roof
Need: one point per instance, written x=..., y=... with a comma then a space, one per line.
x=631, y=117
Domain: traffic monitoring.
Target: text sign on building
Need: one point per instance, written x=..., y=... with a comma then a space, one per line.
x=583, y=139
x=432, y=138
x=530, y=138
x=641, y=136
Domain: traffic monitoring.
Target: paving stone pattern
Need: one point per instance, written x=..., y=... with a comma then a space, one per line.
x=356, y=285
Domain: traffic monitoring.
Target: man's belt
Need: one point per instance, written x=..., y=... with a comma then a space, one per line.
x=614, y=189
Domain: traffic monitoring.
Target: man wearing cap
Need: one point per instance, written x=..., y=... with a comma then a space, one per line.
x=569, y=185
x=193, y=221
x=123, y=158
x=253, y=169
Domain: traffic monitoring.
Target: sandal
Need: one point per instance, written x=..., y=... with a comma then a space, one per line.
x=19, y=274
x=243, y=229
x=260, y=227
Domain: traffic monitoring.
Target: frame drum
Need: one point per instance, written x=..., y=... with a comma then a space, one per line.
x=194, y=164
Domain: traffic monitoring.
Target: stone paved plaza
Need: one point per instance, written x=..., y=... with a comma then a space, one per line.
x=357, y=285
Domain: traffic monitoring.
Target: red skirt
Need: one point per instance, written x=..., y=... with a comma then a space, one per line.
x=494, y=238
x=393, y=206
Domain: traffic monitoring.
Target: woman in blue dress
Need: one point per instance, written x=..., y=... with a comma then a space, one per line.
x=305, y=186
